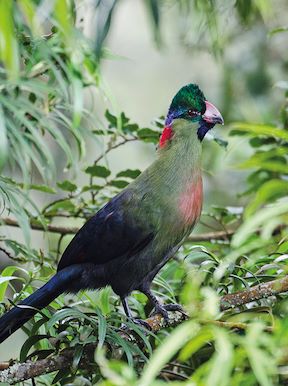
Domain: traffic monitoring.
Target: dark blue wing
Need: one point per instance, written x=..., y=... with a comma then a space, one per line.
x=112, y=232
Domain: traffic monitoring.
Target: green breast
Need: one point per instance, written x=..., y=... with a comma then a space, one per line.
x=169, y=192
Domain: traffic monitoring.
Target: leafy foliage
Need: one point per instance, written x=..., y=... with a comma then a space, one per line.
x=43, y=79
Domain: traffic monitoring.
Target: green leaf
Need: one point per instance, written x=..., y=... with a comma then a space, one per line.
x=63, y=16
x=132, y=127
x=221, y=142
x=40, y=188
x=104, y=13
x=78, y=101
x=277, y=30
x=28, y=8
x=272, y=189
x=98, y=171
x=204, y=336
x=273, y=160
x=165, y=352
x=154, y=11
x=69, y=313
x=102, y=328
x=221, y=365
x=148, y=135
x=61, y=374
x=129, y=173
x=3, y=140
x=258, y=129
x=9, y=55
x=78, y=351
x=63, y=204
x=4, y=281
x=88, y=188
x=121, y=184
x=262, y=362
x=29, y=343
x=252, y=224
x=67, y=186
x=112, y=119
x=99, y=132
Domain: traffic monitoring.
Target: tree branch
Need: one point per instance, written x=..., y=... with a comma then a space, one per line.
x=19, y=372
x=260, y=291
x=208, y=236
x=39, y=227
x=22, y=371
x=217, y=235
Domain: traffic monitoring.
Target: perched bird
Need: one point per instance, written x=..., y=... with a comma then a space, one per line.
x=129, y=240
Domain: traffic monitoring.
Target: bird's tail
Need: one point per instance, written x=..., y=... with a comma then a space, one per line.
x=21, y=313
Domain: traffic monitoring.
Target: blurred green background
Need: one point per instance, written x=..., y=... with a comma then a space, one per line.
x=132, y=56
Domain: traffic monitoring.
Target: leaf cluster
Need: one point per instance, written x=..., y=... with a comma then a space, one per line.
x=41, y=115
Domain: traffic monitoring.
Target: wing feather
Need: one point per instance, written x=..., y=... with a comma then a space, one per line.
x=111, y=233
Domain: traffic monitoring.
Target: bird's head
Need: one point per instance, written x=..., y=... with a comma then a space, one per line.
x=191, y=105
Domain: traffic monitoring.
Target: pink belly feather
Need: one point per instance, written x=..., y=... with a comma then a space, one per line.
x=190, y=201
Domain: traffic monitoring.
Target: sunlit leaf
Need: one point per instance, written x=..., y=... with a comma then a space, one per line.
x=8, y=43
x=260, y=218
x=270, y=190
x=258, y=129
x=164, y=352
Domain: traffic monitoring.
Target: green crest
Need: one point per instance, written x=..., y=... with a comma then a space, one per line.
x=189, y=97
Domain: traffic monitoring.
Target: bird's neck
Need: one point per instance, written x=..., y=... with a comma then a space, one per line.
x=177, y=172
x=180, y=150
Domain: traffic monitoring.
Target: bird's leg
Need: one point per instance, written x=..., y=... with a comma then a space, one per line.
x=158, y=306
x=126, y=308
x=130, y=317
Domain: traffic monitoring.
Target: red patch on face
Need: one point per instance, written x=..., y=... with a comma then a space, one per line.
x=166, y=135
x=190, y=202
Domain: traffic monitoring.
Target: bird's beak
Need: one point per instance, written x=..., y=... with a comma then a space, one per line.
x=212, y=114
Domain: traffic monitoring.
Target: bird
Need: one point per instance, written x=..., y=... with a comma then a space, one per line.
x=126, y=243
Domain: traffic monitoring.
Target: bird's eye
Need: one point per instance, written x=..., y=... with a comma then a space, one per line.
x=192, y=113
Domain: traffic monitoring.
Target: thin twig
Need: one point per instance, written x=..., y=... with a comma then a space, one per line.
x=115, y=146
x=8, y=254
x=209, y=236
x=110, y=147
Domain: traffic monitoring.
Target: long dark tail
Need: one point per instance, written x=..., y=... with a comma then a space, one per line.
x=21, y=313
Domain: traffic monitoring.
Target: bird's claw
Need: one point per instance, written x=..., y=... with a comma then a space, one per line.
x=138, y=322
x=174, y=307
x=163, y=309
x=142, y=323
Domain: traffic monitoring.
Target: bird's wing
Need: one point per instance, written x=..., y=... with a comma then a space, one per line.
x=112, y=232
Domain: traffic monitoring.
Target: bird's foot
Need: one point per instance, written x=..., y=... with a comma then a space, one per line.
x=174, y=307
x=163, y=309
x=142, y=323
x=138, y=322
